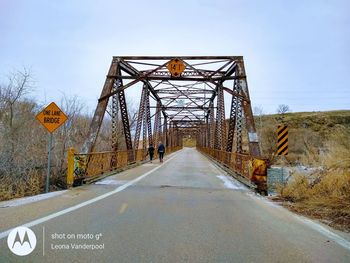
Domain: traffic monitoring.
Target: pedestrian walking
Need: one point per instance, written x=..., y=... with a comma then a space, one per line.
x=150, y=152
x=161, y=151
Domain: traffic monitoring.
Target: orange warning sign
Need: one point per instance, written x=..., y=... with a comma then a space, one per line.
x=176, y=67
x=51, y=117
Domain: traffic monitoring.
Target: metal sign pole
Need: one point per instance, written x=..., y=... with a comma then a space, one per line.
x=48, y=164
x=51, y=118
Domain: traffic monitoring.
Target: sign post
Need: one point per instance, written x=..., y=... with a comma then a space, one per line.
x=51, y=118
x=48, y=164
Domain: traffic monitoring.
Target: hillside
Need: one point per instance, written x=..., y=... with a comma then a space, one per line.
x=317, y=121
x=320, y=140
x=310, y=134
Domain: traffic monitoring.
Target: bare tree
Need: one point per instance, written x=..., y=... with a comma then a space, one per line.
x=72, y=132
x=19, y=84
x=258, y=110
x=283, y=108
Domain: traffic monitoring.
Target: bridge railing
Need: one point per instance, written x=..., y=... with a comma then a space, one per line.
x=251, y=169
x=86, y=166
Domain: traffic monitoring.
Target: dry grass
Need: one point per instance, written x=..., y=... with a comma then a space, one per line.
x=11, y=187
x=324, y=195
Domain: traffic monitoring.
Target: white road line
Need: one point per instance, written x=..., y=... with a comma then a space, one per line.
x=324, y=231
x=30, y=199
x=91, y=201
x=111, y=181
x=43, y=241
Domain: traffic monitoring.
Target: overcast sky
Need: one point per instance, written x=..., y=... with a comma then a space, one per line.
x=296, y=52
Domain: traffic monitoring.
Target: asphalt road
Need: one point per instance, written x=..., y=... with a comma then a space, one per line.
x=178, y=211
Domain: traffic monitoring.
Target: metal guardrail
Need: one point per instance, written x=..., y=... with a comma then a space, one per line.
x=85, y=166
x=252, y=169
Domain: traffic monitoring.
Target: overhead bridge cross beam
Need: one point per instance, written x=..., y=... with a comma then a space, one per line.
x=177, y=95
x=187, y=91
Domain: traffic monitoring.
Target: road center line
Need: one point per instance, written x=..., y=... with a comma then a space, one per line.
x=91, y=201
x=123, y=208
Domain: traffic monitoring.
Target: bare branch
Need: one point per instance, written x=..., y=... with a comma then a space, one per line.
x=283, y=108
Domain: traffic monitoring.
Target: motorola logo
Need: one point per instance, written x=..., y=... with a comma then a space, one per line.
x=21, y=241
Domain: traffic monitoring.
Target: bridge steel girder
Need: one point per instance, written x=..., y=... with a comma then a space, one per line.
x=148, y=119
x=235, y=122
x=126, y=125
x=211, y=125
x=239, y=120
x=140, y=116
x=157, y=125
x=115, y=114
x=97, y=119
x=220, y=129
x=134, y=72
x=253, y=141
x=232, y=122
x=144, y=128
x=165, y=131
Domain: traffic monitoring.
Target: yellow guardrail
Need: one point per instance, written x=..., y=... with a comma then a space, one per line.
x=249, y=167
x=82, y=166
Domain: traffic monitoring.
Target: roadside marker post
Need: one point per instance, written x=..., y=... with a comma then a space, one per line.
x=282, y=140
x=282, y=144
x=51, y=118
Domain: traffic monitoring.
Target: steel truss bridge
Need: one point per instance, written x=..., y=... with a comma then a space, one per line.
x=173, y=104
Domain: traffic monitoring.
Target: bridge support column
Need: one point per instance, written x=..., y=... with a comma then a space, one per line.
x=220, y=130
x=253, y=141
x=140, y=117
x=126, y=125
x=165, y=131
x=211, y=125
x=148, y=119
x=96, y=122
x=157, y=125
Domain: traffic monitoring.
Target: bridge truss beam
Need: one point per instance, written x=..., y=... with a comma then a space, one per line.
x=192, y=102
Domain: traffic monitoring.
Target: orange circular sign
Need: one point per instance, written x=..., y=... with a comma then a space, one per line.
x=176, y=67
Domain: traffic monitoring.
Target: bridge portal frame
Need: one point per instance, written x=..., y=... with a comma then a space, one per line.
x=189, y=103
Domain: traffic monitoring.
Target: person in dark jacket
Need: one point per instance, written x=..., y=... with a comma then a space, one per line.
x=161, y=151
x=150, y=151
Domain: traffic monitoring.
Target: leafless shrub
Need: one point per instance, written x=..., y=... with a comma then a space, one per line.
x=283, y=108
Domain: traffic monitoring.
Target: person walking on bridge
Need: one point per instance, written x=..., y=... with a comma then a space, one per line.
x=150, y=151
x=161, y=151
